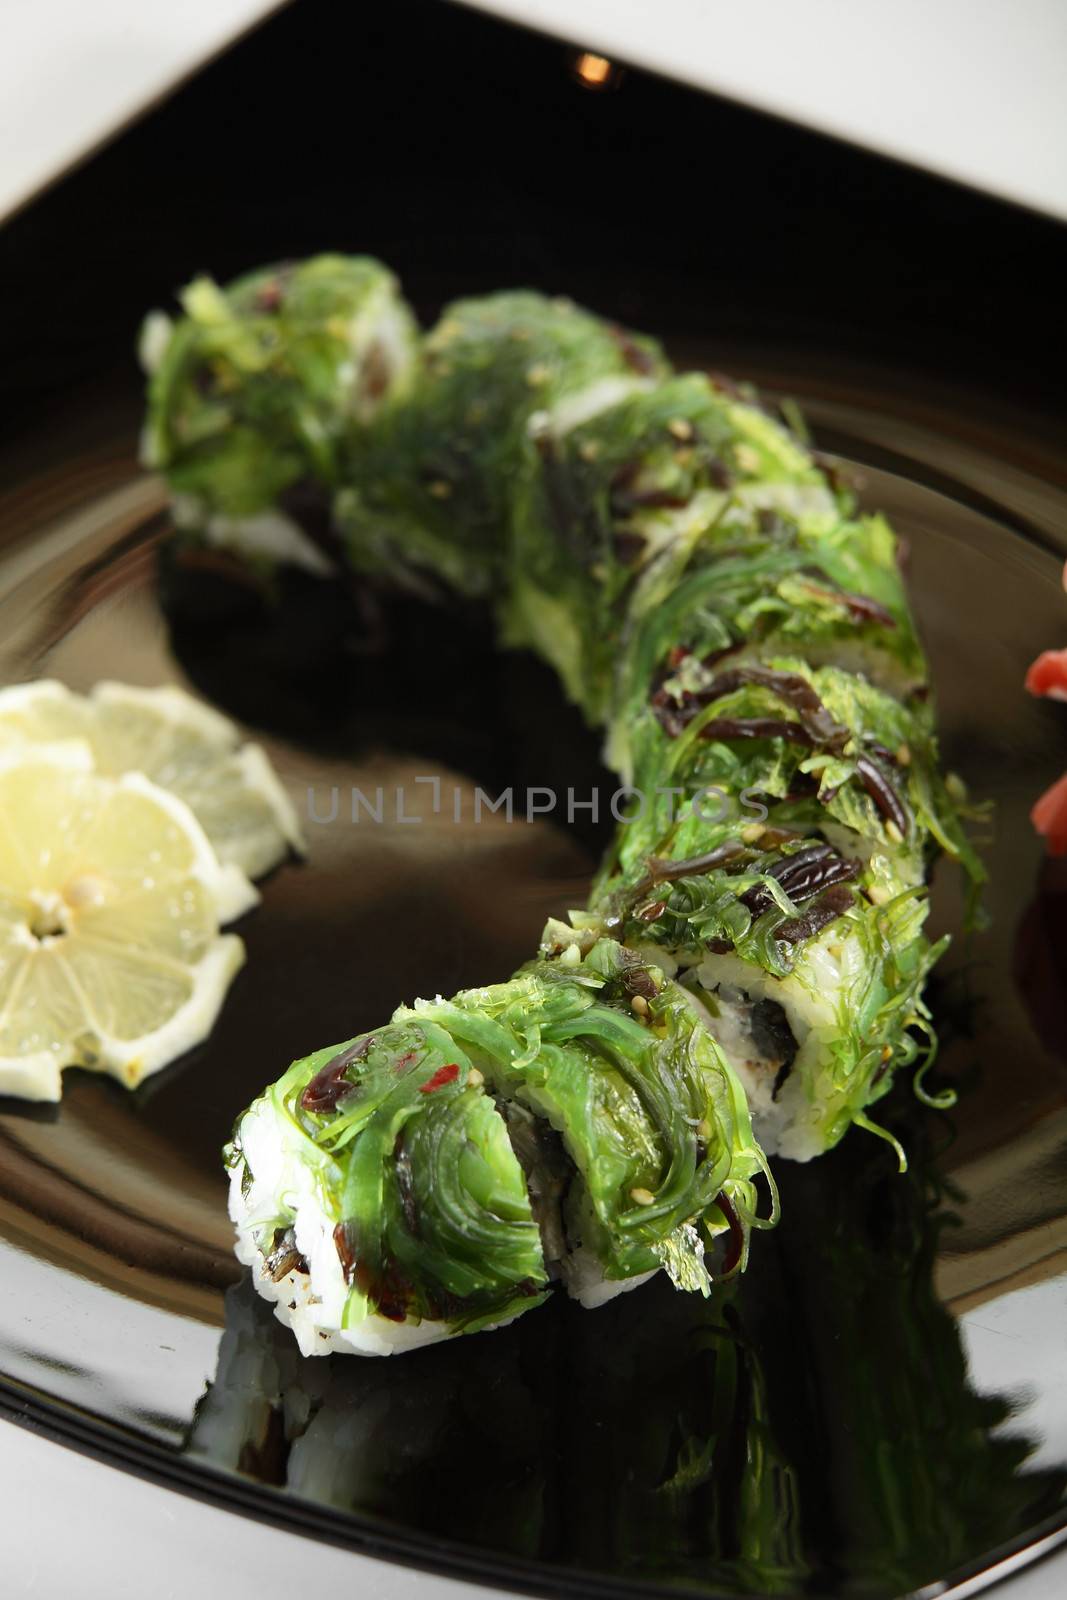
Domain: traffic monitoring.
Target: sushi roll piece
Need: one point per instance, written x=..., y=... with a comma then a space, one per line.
x=678, y=499
x=378, y=1200
x=576, y=1125
x=253, y=390
x=780, y=870
x=429, y=488
x=714, y=600
x=792, y=809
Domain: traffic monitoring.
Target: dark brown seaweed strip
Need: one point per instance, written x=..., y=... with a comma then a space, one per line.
x=330, y=1083
x=837, y=900
x=727, y=728
x=658, y=870
x=883, y=793
x=802, y=876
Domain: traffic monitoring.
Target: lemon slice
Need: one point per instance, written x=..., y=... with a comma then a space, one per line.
x=184, y=747
x=110, y=951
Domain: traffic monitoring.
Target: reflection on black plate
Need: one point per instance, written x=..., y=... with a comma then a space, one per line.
x=815, y=1427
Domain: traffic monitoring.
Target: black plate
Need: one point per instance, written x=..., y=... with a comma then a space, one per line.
x=876, y=1408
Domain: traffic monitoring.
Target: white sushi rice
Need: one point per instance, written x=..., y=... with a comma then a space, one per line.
x=812, y=997
x=286, y=1183
x=587, y=1284
x=311, y=1303
x=269, y=536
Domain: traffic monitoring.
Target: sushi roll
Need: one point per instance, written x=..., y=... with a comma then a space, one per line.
x=717, y=604
x=576, y=1125
x=253, y=390
x=781, y=873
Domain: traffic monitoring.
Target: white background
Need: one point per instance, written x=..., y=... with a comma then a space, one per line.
x=974, y=89
x=72, y=72
x=970, y=88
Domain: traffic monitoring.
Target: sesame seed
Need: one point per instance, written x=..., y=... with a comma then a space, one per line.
x=893, y=832
x=475, y=1078
x=879, y=894
x=643, y=1197
x=752, y=832
x=639, y=1004
x=680, y=428
x=904, y=755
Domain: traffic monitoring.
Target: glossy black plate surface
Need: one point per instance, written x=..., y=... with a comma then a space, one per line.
x=879, y=1406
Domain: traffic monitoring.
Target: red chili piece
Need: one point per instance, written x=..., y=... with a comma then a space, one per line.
x=446, y=1074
